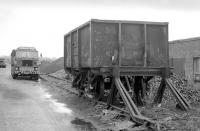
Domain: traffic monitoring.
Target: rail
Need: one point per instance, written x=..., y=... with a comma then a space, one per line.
x=133, y=110
x=135, y=115
x=180, y=99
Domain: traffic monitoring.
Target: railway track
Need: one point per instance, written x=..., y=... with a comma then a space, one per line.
x=49, y=78
x=59, y=82
x=66, y=85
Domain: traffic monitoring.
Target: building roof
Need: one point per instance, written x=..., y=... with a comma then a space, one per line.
x=184, y=40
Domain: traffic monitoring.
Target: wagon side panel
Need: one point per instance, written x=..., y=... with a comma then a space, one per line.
x=84, y=45
x=105, y=43
x=75, y=54
x=157, y=48
x=67, y=51
x=132, y=45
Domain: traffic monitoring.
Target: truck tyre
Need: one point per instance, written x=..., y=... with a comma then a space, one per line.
x=14, y=76
x=35, y=77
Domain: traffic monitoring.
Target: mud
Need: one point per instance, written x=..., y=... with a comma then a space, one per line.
x=83, y=125
x=12, y=94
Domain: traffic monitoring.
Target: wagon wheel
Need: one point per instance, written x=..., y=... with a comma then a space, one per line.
x=99, y=88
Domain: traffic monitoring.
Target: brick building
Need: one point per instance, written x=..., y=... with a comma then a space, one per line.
x=186, y=58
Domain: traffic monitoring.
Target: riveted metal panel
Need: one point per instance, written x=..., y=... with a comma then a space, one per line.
x=105, y=43
x=136, y=44
x=132, y=47
x=84, y=39
x=157, y=46
x=75, y=61
x=67, y=51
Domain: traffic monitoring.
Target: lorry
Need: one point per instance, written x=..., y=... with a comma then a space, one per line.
x=25, y=63
x=2, y=63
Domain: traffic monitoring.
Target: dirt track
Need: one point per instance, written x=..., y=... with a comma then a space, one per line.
x=29, y=106
x=169, y=117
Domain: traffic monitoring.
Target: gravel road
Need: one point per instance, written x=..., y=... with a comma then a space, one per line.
x=26, y=105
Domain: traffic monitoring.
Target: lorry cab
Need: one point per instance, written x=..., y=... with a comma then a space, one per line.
x=2, y=63
x=24, y=63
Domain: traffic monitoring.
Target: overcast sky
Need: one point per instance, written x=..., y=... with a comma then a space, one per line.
x=43, y=23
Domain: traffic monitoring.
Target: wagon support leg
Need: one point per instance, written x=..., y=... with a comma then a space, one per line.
x=112, y=94
x=165, y=74
x=132, y=108
x=160, y=92
x=100, y=86
x=184, y=104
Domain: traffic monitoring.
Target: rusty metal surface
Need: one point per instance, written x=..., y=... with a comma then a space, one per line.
x=132, y=48
x=134, y=44
x=75, y=61
x=140, y=71
x=84, y=39
x=156, y=50
x=128, y=22
x=105, y=41
x=67, y=52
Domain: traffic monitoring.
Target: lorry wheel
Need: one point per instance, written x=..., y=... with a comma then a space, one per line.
x=31, y=77
x=35, y=77
x=14, y=76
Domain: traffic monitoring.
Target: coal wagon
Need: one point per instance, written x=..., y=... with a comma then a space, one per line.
x=118, y=56
x=132, y=43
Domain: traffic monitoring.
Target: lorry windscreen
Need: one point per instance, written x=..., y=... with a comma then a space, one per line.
x=2, y=61
x=27, y=63
x=27, y=54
